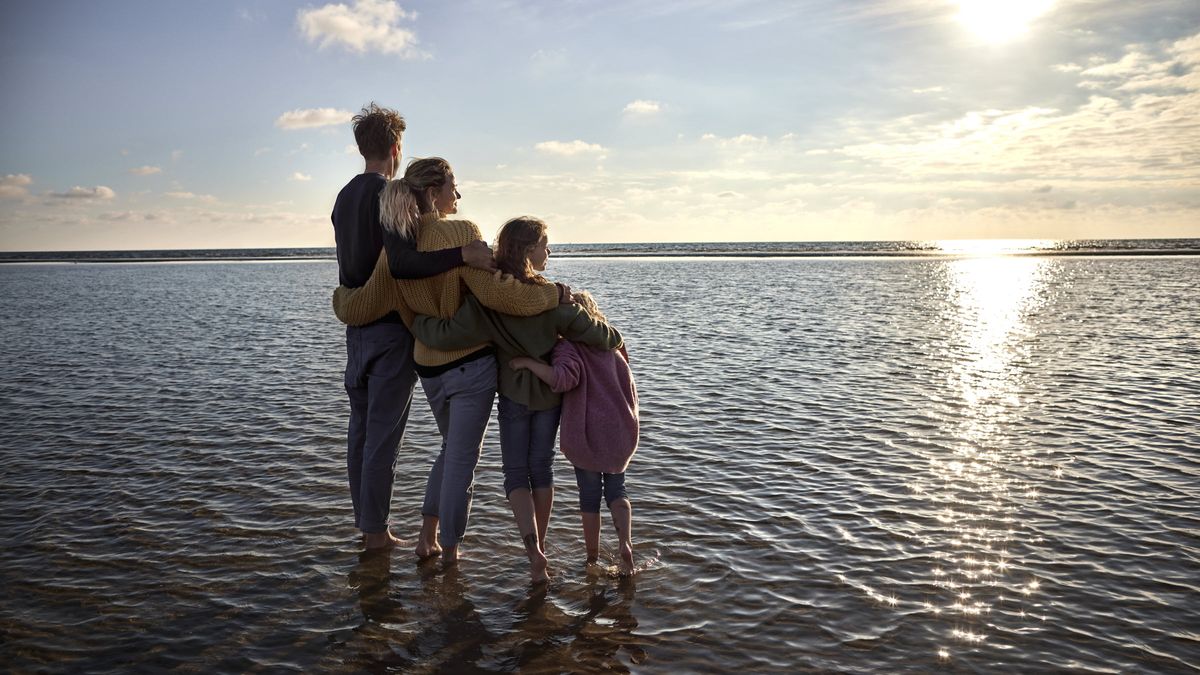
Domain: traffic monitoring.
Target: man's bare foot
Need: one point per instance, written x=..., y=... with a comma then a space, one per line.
x=593, y=556
x=625, y=567
x=379, y=540
x=450, y=556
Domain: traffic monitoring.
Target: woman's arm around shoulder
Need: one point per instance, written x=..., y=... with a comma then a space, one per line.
x=371, y=301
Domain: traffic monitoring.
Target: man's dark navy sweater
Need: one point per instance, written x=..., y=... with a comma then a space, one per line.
x=360, y=237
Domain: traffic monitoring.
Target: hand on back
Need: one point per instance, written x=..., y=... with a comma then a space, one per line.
x=478, y=254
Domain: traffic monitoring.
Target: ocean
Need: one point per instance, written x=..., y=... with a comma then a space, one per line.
x=859, y=458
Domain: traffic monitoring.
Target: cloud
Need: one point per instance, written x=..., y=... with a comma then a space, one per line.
x=569, y=149
x=367, y=26
x=300, y=177
x=85, y=194
x=642, y=107
x=15, y=185
x=312, y=117
x=1136, y=130
x=191, y=195
x=261, y=151
x=176, y=155
x=129, y=216
x=145, y=170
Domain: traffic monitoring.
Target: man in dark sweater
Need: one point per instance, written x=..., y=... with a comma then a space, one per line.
x=380, y=375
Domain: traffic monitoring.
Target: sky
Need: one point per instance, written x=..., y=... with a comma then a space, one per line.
x=225, y=124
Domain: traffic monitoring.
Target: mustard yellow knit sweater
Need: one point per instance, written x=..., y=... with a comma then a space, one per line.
x=440, y=295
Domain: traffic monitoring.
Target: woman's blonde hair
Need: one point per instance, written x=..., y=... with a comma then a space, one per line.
x=404, y=200
x=517, y=237
x=588, y=304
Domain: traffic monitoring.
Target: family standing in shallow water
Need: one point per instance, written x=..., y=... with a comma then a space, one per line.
x=423, y=296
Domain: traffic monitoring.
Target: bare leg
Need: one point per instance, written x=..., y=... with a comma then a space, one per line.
x=427, y=544
x=543, y=502
x=622, y=515
x=591, y=534
x=522, y=504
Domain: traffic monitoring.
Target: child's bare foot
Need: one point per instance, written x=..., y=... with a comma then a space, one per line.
x=379, y=540
x=593, y=556
x=538, y=565
x=625, y=567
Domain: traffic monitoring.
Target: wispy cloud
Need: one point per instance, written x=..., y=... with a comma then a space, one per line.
x=15, y=186
x=1138, y=125
x=190, y=195
x=367, y=26
x=569, y=148
x=642, y=107
x=308, y=118
x=145, y=170
x=99, y=192
x=300, y=177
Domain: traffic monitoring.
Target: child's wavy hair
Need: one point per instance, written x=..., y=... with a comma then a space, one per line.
x=587, y=302
x=404, y=200
x=517, y=237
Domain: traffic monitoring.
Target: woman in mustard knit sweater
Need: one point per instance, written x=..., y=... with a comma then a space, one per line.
x=460, y=384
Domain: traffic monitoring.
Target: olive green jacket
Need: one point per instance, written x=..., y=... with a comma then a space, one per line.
x=515, y=336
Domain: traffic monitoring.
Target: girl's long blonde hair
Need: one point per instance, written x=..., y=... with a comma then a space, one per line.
x=404, y=200
x=588, y=304
x=517, y=237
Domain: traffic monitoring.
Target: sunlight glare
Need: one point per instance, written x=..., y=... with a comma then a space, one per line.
x=995, y=22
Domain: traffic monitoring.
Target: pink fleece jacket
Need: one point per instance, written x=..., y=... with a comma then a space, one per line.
x=599, y=428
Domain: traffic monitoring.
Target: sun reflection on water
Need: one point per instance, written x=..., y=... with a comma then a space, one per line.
x=979, y=485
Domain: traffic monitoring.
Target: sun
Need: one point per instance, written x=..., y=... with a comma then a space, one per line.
x=997, y=21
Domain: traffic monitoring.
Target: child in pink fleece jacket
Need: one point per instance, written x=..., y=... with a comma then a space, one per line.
x=599, y=429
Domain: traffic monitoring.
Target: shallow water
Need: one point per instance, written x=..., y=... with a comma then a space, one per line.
x=973, y=464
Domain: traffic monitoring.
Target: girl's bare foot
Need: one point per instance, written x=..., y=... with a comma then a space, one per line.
x=625, y=567
x=538, y=565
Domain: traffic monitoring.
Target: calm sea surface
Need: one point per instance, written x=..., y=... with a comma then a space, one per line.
x=979, y=464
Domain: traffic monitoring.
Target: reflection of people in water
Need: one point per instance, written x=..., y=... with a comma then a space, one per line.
x=609, y=628
x=371, y=578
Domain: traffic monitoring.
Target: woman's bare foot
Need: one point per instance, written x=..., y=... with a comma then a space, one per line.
x=625, y=567
x=450, y=556
x=425, y=551
x=379, y=540
x=427, y=542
